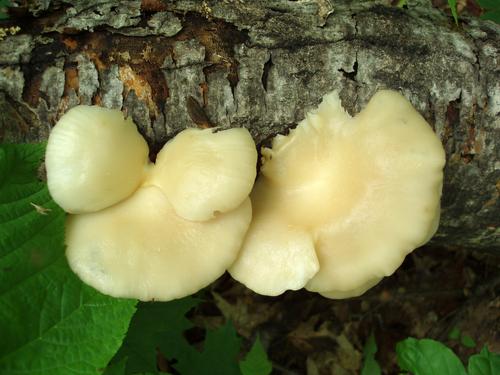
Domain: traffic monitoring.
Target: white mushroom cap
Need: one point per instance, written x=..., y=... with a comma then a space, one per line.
x=204, y=172
x=141, y=249
x=356, y=292
x=366, y=189
x=271, y=241
x=127, y=240
x=94, y=159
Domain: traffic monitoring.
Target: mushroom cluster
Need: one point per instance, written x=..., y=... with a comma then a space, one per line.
x=339, y=203
x=341, y=200
x=142, y=230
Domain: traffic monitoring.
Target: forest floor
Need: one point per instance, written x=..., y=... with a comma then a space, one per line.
x=445, y=294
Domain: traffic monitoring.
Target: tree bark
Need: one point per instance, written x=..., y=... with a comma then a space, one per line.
x=263, y=65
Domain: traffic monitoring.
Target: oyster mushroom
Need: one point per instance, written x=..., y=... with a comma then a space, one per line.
x=203, y=172
x=142, y=230
x=94, y=159
x=140, y=248
x=356, y=195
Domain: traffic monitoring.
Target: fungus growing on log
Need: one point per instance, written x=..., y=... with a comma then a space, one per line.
x=94, y=159
x=134, y=233
x=342, y=200
x=211, y=172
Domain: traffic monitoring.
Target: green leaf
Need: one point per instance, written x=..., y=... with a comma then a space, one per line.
x=370, y=364
x=484, y=363
x=3, y=7
x=453, y=7
x=454, y=334
x=51, y=322
x=467, y=341
x=219, y=355
x=156, y=324
x=488, y=4
x=492, y=16
x=162, y=326
x=428, y=357
x=256, y=361
x=401, y=3
x=492, y=10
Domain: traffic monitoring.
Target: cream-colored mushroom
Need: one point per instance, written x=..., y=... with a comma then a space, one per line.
x=366, y=191
x=273, y=242
x=212, y=171
x=94, y=159
x=140, y=248
x=136, y=236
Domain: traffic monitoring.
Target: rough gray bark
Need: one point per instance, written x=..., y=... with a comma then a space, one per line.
x=262, y=65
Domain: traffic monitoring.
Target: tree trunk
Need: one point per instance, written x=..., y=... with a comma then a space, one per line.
x=263, y=64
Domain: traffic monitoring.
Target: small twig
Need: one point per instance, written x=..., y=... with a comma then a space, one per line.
x=41, y=210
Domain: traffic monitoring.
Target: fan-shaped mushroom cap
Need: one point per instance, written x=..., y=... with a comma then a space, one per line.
x=141, y=248
x=366, y=189
x=129, y=241
x=203, y=172
x=94, y=159
x=271, y=241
